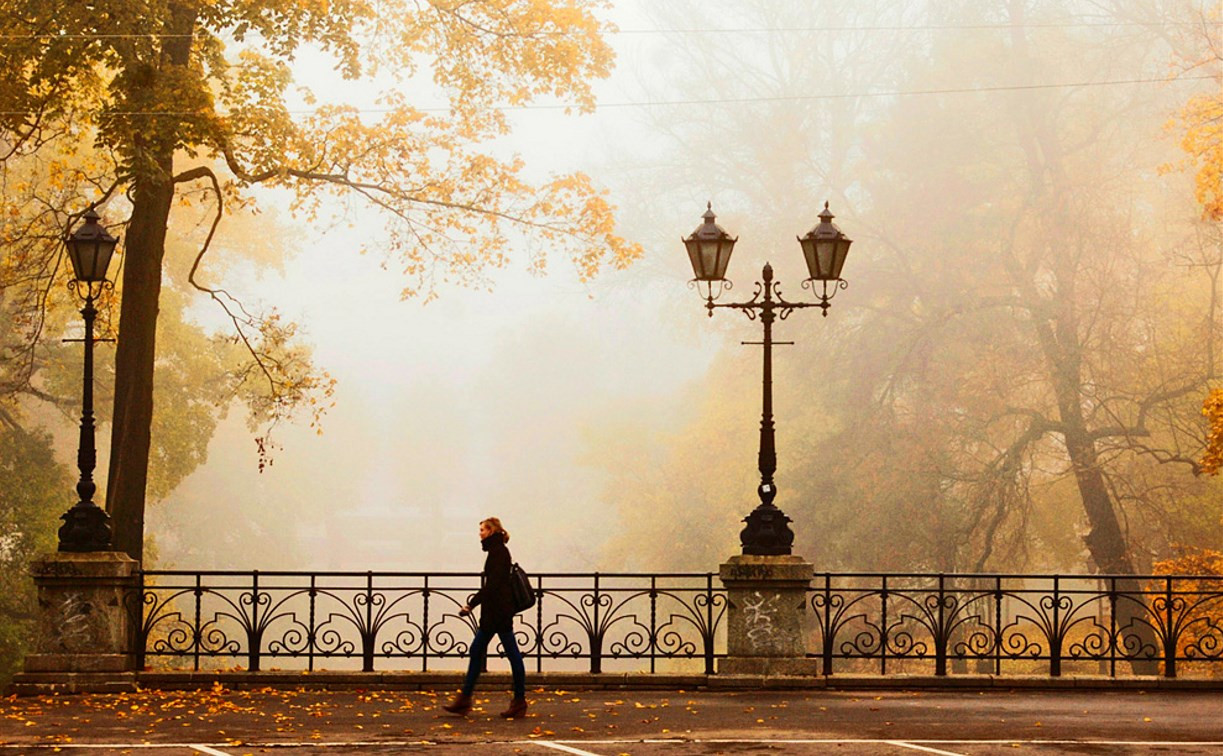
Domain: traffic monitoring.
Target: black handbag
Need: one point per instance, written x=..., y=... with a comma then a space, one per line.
x=521, y=593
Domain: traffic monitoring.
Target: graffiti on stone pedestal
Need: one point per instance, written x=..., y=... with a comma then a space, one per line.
x=758, y=616
x=72, y=630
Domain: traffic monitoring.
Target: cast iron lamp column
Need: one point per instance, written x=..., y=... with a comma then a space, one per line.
x=86, y=525
x=825, y=248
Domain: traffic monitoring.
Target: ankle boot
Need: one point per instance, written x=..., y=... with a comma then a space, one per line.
x=518, y=708
x=460, y=705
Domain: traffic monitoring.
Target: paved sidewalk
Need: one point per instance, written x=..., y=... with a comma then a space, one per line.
x=227, y=722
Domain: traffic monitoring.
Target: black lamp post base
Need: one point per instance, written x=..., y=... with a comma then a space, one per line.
x=767, y=533
x=85, y=528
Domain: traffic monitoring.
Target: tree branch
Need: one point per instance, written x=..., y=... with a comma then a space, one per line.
x=368, y=189
x=194, y=174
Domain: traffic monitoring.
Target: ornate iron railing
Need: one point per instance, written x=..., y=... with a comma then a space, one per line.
x=411, y=619
x=1018, y=624
x=861, y=622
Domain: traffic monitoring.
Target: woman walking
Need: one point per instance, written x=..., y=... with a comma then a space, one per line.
x=496, y=618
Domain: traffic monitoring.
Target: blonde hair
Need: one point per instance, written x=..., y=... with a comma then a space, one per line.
x=495, y=524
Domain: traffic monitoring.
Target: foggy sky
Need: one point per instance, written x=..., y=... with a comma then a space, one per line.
x=482, y=403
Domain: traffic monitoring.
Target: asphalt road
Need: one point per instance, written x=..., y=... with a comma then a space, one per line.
x=609, y=723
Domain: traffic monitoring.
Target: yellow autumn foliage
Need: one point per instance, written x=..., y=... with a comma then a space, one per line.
x=1202, y=138
x=1198, y=602
x=1212, y=408
x=210, y=82
x=180, y=96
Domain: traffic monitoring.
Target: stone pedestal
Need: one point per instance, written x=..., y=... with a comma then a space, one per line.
x=84, y=620
x=767, y=618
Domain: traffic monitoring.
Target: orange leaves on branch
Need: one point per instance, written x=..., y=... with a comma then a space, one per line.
x=1195, y=562
x=455, y=211
x=274, y=375
x=510, y=50
x=592, y=223
x=1200, y=122
x=1212, y=408
x=1200, y=614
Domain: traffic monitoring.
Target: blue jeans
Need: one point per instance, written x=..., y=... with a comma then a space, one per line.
x=479, y=650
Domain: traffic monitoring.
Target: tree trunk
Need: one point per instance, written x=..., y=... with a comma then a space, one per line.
x=1107, y=544
x=1106, y=541
x=130, y=437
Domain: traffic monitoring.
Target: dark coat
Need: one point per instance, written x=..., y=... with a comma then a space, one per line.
x=495, y=597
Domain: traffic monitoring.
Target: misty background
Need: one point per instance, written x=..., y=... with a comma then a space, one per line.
x=612, y=425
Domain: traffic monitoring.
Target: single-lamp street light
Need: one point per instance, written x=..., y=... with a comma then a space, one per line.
x=86, y=525
x=825, y=248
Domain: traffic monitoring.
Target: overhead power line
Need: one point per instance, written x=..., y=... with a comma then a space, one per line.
x=909, y=27
x=729, y=30
x=896, y=93
x=717, y=101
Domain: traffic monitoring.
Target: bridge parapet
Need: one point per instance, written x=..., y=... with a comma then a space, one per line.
x=889, y=625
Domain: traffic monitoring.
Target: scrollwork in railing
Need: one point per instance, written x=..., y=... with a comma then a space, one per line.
x=636, y=639
x=1134, y=638
x=704, y=615
x=930, y=621
x=592, y=613
x=330, y=641
x=978, y=642
x=555, y=643
x=931, y=613
x=636, y=642
x=1200, y=629
x=868, y=641
x=407, y=640
x=1207, y=645
x=443, y=641
x=904, y=645
x=1095, y=641
x=1015, y=643
x=293, y=641
x=163, y=626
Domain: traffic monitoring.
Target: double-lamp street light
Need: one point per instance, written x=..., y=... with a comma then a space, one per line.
x=825, y=249
x=86, y=525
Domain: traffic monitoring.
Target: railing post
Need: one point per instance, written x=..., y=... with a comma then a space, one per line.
x=424, y=632
x=367, y=634
x=709, y=628
x=940, y=635
x=997, y=624
x=139, y=637
x=653, y=644
x=197, y=629
x=596, y=637
x=883, y=626
x=1112, y=626
x=539, y=623
x=1055, y=632
x=254, y=638
x=827, y=640
x=1170, y=635
x=484, y=668
x=312, y=636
